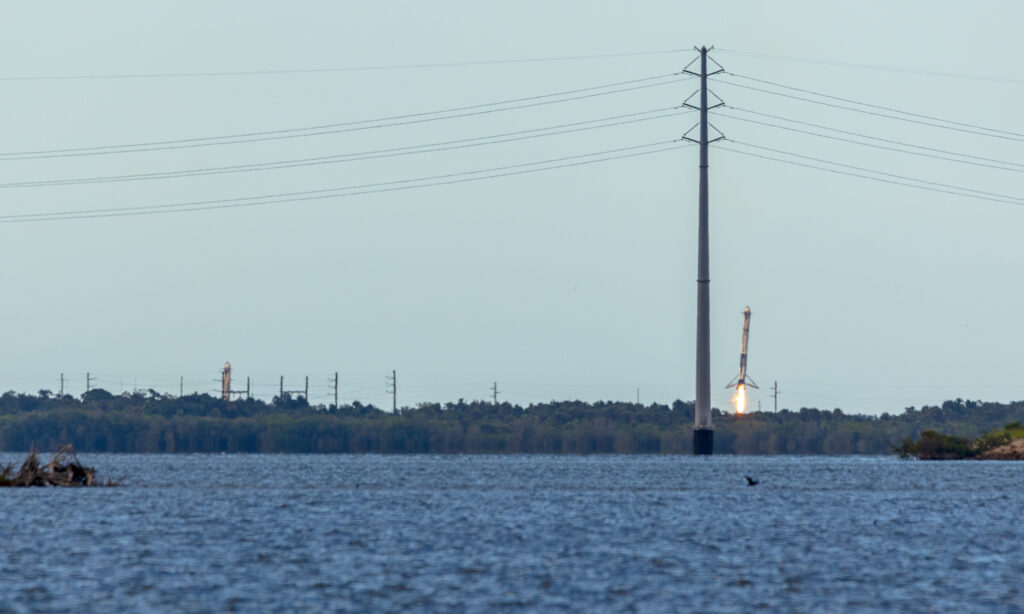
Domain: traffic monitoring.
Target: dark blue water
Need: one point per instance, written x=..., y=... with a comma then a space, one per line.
x=204, y=533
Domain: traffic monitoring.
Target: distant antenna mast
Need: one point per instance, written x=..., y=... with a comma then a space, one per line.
x=494, y=392
x=392, y=387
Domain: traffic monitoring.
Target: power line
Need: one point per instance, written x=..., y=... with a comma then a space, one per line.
x=329, y=192
x=896, y=149
x=877, y=67
x=339, y=69
x=372, y=188
x=875, y=113
x=877, y=106
x=873, y=138
x=518, y=135
x=1012, y=200
x=349, y=126
x=868, y=170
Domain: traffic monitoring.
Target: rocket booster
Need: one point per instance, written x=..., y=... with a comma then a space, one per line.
x=742, y=379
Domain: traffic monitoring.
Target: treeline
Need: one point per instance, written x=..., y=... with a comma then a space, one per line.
x=997, y=444
x=151, y=422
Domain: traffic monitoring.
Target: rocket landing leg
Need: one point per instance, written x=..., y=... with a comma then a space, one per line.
x=703, y=441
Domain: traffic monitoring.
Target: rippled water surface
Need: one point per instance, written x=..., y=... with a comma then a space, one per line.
x=206, y=533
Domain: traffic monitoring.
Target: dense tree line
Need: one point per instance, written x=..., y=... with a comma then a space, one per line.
x=994, y=445
x=151, y=422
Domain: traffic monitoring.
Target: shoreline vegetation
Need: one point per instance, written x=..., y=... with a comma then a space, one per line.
x=150, y=422
x=1006, y=443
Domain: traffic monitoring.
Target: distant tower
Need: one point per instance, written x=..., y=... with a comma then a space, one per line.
x=225, y=382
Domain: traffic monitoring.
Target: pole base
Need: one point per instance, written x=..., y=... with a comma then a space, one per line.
x=703, y=442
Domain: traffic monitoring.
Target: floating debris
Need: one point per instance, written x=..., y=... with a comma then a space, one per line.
x=62, y=470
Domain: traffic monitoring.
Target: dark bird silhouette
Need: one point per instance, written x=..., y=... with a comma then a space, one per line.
x=751, y=481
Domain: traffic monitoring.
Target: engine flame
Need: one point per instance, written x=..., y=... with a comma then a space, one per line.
x=739, y=399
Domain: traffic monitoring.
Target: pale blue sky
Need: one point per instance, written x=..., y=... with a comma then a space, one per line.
x=573, y=283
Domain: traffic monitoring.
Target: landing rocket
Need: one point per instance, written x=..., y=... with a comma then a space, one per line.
x=742, y=379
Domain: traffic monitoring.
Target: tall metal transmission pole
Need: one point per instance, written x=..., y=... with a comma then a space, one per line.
x=393, y=389
x=304, y=391
x=703, y=432
x=335, y=389
x=775, y=395
x=494, y=391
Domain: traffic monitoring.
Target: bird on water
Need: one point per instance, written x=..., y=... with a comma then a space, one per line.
x=751, y=481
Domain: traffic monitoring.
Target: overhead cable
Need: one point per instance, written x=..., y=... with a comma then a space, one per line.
x=506, y=137
x=349, y=126
x=338, y=69
x=1012, y=200
x=946, y=126
x=878, y=106
x=355, y=190
x=999, y=164
x=877, y=67
x=877, y=172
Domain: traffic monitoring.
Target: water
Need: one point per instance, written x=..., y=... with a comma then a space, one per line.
x=248, y=533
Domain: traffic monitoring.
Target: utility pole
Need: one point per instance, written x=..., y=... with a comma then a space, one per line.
x=305, y=391
x=494, y=392
x=62, y=385
x=246, y=387
x=88, y=381
x=392, y=383
x=181, y=386
x=638, y=396
x=703, y=432
x=775, y=395
x=335, y=389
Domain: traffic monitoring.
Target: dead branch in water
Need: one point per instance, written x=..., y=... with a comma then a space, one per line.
x=62, y=470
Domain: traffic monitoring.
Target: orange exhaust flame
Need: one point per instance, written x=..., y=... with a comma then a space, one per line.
x=740, y=399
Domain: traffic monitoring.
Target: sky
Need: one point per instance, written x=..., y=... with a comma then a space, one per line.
x=575, y=282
